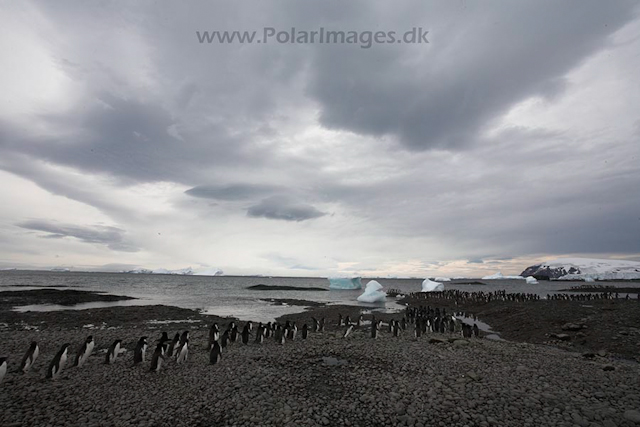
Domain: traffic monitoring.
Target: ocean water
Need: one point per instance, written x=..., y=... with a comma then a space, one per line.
x=229, y=296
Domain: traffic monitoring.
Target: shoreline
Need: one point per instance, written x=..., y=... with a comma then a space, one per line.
x=388, y=381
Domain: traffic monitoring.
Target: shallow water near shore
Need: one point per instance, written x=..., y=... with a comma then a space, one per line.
x=230, y=296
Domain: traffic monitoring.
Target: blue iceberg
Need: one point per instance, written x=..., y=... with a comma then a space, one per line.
x=345, y=283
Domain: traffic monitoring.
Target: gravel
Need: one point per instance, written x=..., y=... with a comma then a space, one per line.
x=385, y=382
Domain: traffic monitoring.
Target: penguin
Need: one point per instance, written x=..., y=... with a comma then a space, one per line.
x=173, y=346
x=279, y=335
x=140, y=351
x=391, y=323
x=348, y=331
x=214, y=334
x=359, y=322
x=293, y=330
x=375, y=328
x=85, y=351
x=224, y=340
x=476, y=330
x=250, y=324
x=157, y=358
x=57, y=364
x=305, y=331
x=260, y=332
x=233, y=336
x=316, y=324
x=3, y=368
x=112, y=353
x=164, y=338
x=347, y=320
x=30, y=357
x=339, y=320
x=322, y=325
x=245, y=334
x=267, y=330
x=183, y=349
x=396, y=329
x=215, y=354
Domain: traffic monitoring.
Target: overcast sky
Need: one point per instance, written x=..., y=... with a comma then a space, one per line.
x=512, y=136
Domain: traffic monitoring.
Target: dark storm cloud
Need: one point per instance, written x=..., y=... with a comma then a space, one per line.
x=231, y=192
x=284, y=208
x=112, y=237
x=483, y=58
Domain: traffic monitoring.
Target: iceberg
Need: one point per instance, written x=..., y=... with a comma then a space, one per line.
x=373, y=293
x=431, y=286
x=442, y=279
x=531, y=280
x=345, y=283
x=499, y=276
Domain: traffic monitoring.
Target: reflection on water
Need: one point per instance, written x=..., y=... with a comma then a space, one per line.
x=81, y=306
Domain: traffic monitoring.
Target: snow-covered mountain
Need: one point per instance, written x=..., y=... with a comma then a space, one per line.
x=585, y=269
x=499, y=276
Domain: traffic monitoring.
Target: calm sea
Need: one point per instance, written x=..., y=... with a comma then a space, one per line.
x=229, y=296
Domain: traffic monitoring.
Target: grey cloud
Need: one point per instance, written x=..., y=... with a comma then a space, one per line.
x=112, y=237
x=502, y=55
x=232, y=191
x=284, y=208
x=475, y=261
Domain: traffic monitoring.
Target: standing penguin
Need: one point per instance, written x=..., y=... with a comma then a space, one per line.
x=183, y=349
x=322, y=325
x=140, y=351
x=245, y=334
x=85, y=351
x=359, y=322
x=157, y=358
x=339, y=320
x=293, y=330
x=30, y=357
x=164, y=338
x=396, y=329
x=173, y=346
x=476, y=330
x=305, y=331
x=375, y=327
x=215, y=354
x=233, y=336
x=58, y=362
x=112, y=352
x=224, y=340
x=316, y=324
x=3, y=368
x=260, y=334
x=214, y=334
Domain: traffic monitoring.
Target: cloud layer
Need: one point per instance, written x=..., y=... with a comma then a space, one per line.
x=511, y=136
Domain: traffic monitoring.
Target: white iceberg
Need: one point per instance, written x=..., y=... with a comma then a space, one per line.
x=442, y=279
x=431, y=286
x=345, y=283
x=500, y=276
x=373, y=293
x=531, y=280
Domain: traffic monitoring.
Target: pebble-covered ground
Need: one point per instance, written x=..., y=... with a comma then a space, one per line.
x=325, y=380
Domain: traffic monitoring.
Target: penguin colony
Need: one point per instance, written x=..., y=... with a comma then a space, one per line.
x=459, y=296
x=422, y=320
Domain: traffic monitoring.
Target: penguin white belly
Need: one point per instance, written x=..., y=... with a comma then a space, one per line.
x=184, y=351
x=87, y=353
x=63, y=360
x=144, y=352
x=3, y=370
x=116, y=352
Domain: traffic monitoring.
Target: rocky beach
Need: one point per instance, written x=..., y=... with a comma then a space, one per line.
x=531, y=379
